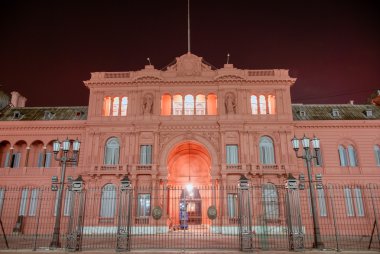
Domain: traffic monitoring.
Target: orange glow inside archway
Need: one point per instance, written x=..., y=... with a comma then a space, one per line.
x=189, y=163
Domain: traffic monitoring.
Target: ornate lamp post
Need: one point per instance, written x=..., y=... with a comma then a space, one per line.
x=65, y=157
x=308, y=156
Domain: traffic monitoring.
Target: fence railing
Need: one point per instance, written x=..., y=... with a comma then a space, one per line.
x=174, y=217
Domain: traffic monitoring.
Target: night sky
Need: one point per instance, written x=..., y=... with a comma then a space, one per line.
x=48, y=48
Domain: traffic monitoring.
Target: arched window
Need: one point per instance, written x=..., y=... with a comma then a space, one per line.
x=254, y=104
x=115, y=106
x=347, y=156
x=166, y=105
x=107, y=106
x=376, y=149
x=352, y=156
x=111, y=155
x=200, y=105
x=108, y=201
x=124, y=106
x=189, y=105
x=49, y=155
x=342, y=156
x=177, y=104
x=266, y=150
x=263, y=105
x=211, y=104
x=37, y=154
x=270, y=201
x=271, y=104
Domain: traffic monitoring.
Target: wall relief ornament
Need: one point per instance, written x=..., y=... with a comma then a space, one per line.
x=189, y=65
x=165, y=137
x=213, y=137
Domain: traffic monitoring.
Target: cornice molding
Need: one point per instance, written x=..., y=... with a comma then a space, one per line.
x=337, y=125
x=217, y=82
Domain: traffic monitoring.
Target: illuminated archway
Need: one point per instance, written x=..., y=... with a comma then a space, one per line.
x=189, y=162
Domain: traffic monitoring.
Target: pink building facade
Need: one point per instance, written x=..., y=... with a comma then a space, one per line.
x=188, y=123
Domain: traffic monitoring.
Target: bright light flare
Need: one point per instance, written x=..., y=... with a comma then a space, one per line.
x=189, y=188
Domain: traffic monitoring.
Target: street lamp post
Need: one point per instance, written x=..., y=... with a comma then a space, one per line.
x=65, y=158
x=308, y=156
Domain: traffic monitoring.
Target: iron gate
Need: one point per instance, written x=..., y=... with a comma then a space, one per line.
x=245, y=217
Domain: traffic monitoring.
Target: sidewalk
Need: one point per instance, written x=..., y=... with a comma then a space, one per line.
x=187, y=251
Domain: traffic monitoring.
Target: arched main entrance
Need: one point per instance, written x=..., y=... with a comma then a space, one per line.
x=189, y=162
x=189, y=166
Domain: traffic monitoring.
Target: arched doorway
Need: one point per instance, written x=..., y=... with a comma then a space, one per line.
x=189, y=162
x=189, y=166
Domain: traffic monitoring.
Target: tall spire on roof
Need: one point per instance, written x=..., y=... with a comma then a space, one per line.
x=188, y=26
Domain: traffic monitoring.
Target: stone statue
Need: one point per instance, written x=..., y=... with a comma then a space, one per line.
x=147, y=105
x=230, y=104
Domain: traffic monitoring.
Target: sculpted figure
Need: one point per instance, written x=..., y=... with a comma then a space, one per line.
x=230, y=104
x=147, y=104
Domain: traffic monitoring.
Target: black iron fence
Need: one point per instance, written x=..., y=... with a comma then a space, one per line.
x=266, y=217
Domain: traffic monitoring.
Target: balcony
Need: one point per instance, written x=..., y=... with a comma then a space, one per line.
x=272, y=169
x=234, y=168
x=117, y=169
x=143, y=168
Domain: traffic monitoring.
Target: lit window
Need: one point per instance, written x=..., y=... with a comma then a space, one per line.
x=108, y=201
x=115, y=106
x=254, y=105
x=200, y=104
x=263, y=105
x=189, y=105
x=166, y=105
x=143, y=205
x=211, y=104
x=124, y=106
x=177, y=105
x=111, y=153
x=232, y=154
x=266, y=151
x=271, y=104
x=107, y=106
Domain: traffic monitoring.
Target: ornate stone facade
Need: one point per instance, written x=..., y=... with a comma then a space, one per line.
x=198, y=110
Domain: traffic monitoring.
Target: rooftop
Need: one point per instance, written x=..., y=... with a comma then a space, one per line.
x=301, y=112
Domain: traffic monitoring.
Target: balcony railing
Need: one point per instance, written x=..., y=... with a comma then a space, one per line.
x=109, y=169
x=144, y=168
x=233, y=168
x=267, y=169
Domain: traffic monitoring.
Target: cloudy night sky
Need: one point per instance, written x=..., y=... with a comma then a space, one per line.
x=47, y=48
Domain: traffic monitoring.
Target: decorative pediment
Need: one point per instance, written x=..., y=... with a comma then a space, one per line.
x=189, y=65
